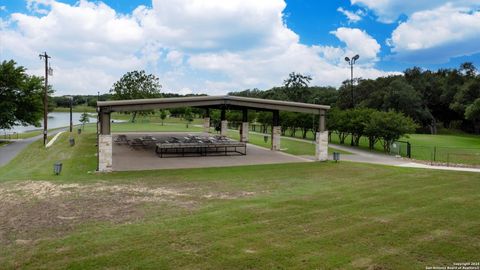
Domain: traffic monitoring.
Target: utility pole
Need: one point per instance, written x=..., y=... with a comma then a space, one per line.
x=48, y=71
x=98, y=123
x=71, y=120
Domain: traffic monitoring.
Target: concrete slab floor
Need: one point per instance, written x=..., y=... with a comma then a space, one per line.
x=127, y=159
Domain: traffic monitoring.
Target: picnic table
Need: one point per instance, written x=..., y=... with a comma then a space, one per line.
x=202, y=146
x=144, y=141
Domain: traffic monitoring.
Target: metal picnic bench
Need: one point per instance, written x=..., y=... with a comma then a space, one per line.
x=165, y=149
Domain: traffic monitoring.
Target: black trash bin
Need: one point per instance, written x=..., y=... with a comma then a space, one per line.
x=79, y=131
x=72, y=141
x=336, y=156
x=57, y=168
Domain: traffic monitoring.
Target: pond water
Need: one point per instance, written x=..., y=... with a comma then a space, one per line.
x=55, y=120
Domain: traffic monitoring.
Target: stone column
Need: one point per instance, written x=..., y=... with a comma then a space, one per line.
x=206, y=124
x=276, y=134
x=321, y=146
x=321, y=121
x=244, y=133
x=224, y=128
x=105, y=153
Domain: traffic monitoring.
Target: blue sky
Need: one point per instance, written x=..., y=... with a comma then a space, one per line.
x=217, y=46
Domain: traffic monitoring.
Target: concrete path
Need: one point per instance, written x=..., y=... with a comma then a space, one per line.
x=11, y=150
x=365, y=156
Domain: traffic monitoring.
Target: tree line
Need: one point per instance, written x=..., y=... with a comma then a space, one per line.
x=420, y=100
x=448, y=97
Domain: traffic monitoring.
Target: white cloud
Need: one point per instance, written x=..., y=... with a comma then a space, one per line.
x=38, y=6
x=388, y=11
x=358, y=42
x=352, y=17
x=267, y=69
x=214, y=25
x=437, y=35
x=175, y=58
x=90, y=44
x=191, y=45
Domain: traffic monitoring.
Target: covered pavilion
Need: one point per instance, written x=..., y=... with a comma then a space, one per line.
x=223, y=103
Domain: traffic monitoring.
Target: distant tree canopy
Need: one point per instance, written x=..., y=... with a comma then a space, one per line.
x=447, y=96
x=136, y=85
x=428, y=97
x=21, y=96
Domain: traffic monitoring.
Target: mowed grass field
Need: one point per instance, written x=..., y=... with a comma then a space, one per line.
x=460, y=148
x=287, y=216
x=293, y=147
x=451, y=146
x=3, y=143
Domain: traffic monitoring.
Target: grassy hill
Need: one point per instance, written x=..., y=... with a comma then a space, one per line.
x=296, y=216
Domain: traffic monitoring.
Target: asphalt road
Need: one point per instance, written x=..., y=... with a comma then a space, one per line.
x=11, y=150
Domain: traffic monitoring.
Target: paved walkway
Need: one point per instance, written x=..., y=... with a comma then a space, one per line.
x=360, y=155
x=11, y=150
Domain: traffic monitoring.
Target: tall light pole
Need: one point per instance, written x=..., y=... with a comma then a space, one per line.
x=48, y=71
x=351, y=62
x=315, y=100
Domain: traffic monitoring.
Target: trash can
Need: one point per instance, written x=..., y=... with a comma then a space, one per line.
x=72, y=141
x=265, y=138
x=336, y=156
x=79, y=131
x=57, y=168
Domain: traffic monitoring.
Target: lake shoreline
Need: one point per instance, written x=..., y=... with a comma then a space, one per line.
x=55, y=120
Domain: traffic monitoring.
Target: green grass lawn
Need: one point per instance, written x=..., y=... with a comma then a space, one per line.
x=452, y=146
x=23, y=135
x=154, y=127
x=293, y=147
x=154, y=118
x=78, y=108
x=290, y=216
x=3, y=143
x=460, y=148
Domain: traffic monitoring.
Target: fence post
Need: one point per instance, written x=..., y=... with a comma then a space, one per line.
x=435, y=153
x=409, y=150
x=448, y=159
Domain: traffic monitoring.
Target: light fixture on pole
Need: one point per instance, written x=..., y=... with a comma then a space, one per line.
x=48, y=71
x=351, y=62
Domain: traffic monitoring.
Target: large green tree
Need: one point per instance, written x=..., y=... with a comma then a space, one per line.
x=21, y=96
x=136, y=85
x=296, y=86
x=472, y=113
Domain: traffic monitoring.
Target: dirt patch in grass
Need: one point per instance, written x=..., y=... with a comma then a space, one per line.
x=33, y=210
